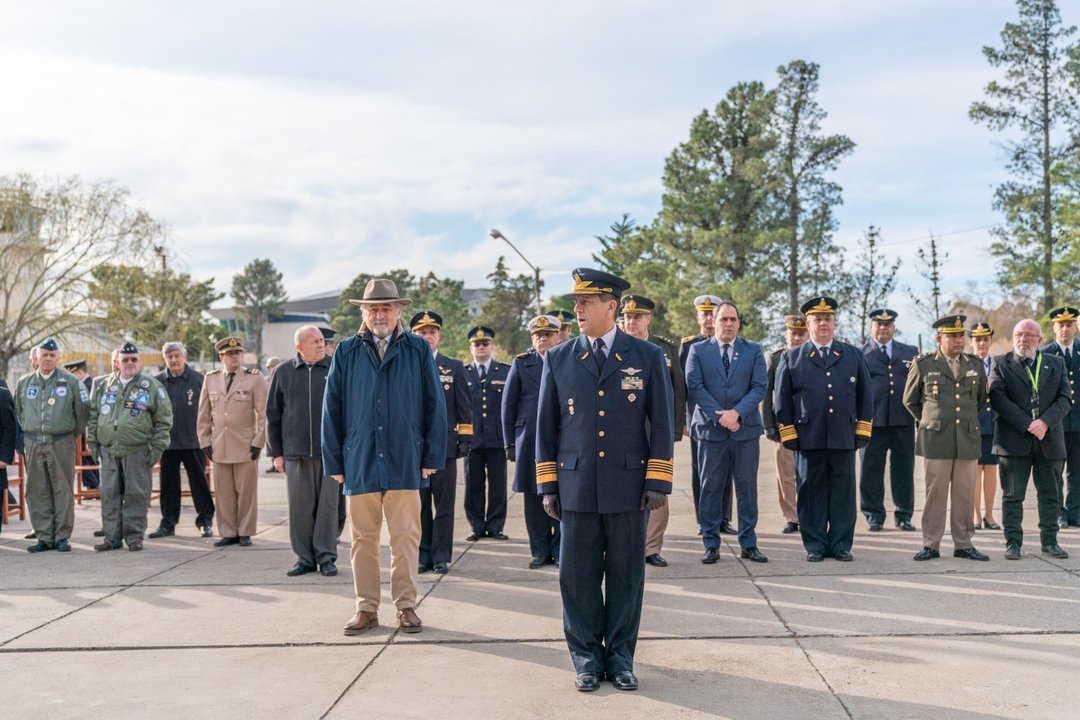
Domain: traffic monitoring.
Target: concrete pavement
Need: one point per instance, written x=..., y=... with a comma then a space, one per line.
x=184, y=628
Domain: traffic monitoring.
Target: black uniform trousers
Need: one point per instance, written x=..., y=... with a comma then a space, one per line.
x=1015, y=471
x=602, y=580
x=898, y=442
x=194, y=463
x=1070, y=507
x=695, y=488
x=825, y=499
x=437, y=515
x=486, y=466
x=544, y=532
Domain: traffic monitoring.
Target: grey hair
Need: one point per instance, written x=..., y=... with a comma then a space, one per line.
x=300, y=332
x=173, y=347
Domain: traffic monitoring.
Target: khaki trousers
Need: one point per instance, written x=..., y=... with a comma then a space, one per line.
x=654, y=535
x=236, y=486
x=785, y=483
x=947, y=479
x=402, y=511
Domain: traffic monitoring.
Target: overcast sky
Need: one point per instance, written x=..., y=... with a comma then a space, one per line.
x=345, y=137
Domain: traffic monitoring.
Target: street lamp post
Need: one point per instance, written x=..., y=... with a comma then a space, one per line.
x=496, y=235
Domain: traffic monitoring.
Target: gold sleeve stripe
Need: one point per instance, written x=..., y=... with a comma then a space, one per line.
x=662, y=476
x=863, y=427
x=545, y=478
x=464, y=429
x=788, y=432
x=545, y=465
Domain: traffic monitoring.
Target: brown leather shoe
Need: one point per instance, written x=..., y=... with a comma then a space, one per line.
x=360, y=622
x=408, y=621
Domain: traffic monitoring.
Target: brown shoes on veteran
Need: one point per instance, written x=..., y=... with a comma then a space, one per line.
x=408, y=621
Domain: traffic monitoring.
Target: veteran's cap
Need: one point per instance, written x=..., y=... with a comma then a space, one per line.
x=48, y=344
x=128, y=348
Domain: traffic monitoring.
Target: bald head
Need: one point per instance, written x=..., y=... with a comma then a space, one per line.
x=310, y=343
x=1026, y=338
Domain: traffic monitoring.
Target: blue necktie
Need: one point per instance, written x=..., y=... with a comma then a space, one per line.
x=724, y=355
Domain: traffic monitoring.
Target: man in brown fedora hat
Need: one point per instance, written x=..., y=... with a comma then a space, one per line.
x=383, y=434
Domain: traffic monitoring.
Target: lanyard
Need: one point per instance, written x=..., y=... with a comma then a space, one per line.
x=1034, y=378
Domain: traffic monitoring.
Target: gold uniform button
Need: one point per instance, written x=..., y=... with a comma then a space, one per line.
x=830, y=409
x=892, y=392
x=830, y=386
x=601, y=393
x=484, y=414
x=958, y=419
x=828, y=373
x=601, y=413
x=957, y=396
x=830, y=397
x=601, y=453
x=601, y=433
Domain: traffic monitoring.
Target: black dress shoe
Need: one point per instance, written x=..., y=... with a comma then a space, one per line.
x=1063, y=524
x=33, y=535
x=726, y=529
x=656, y=560
x=874, y=527
x=243, y=540
x=625, y=680
x=161, y=532
x=753, y=554
x=587, y=681
x=135, y=545
x=790, y=528
x=711, y=555
x=1012, y=551
x=63, y=546
x=928, y=553
x=99, y=533
x=1055, y=551
x=206, y=531
x=989, y=525
x=441, y=568
x=328, y=569
x=843, y=556
x=969, y=554
x=300, y=569
x=498, y=535
x=425, y=568
x=815, y=557
x=537, y=563
x=472, y=537
x=40, y=546
x=905, y=525
x=226, y=541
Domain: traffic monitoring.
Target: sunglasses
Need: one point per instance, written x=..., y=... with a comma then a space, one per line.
x=482, y=343
x=129, y=360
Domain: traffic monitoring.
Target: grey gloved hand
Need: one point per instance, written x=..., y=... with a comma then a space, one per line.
x=463, y=447
x=551, y=505
x=653, y=500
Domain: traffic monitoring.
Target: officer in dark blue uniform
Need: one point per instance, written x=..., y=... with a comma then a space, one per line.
x=1067, y=347
x=824, y=411
x=437, y=500
x=520, y=400
x=604, y=452
x=888, y=362
x=567, y=320
x=485, y=469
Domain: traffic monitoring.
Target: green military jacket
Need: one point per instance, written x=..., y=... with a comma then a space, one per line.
x=946, y=409
x=51, y=406
x=127, y=419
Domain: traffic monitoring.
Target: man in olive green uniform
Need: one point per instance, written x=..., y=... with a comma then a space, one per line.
x=945, y=391
x=232, y=433
x=130, y=419
x=50, y=405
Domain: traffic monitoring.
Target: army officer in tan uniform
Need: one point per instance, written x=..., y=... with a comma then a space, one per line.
x=945, y=391
x=232, y=433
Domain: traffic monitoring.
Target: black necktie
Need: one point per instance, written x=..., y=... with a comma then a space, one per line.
x=483, y=373
x=885, y=352
x=228, y=381
x=724, y=356
x=598, y=353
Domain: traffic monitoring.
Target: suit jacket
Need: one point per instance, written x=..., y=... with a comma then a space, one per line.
x=1011, y=398
x=520, y=401
x=888, y=378
x=823, y=402
x=1072, y=368
x=487, y=404
x=604, y=437
x=455, y=387
x=947, y=408
x=712, y=388
x=232, y=421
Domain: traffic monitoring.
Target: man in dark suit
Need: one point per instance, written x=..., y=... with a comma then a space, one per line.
x=1067, y=347
x=437, y=528
x=795, y=334
x=888, y=362
x=824, y=412
x=604, y=457
x=726, y=380
x=485, y=468
x=520, y=400
x=1030, y=392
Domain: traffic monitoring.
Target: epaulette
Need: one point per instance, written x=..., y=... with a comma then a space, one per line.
x=688, y=338
x=525, y=354
x=928, y=353
x=664, y=340
x=215, y=371
x=253, y=371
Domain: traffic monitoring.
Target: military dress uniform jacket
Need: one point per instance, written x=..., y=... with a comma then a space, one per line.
x=520, y=401
x=184, y=391
x=604, y=437
x=684, y=354
x=1011, y=396
x=126, y=419
x=1072, y=368
x=888, y=377
x=53, y=406
x=823, y=403
x=487, y=404
x=455, y=387
x=234, y=421
x=987, y=416
x=677, y=371
x=947, y=409
x=768, y=407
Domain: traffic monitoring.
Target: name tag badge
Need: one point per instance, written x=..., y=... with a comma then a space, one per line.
x=633, y=383
x=446, y=378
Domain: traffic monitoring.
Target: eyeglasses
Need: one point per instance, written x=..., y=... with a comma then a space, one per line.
x=129, y=360
x=482, y=343
x=1024, y=335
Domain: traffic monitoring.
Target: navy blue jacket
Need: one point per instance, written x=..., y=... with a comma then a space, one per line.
x=383, y=422
x=1072, y=368
x=603, y=438
x=888, y=379
x=520, y=401
x=987, y=416
x=711, y=388
x=1011, y=395
x=458, y=402
x=823, y=402
x=487, y=404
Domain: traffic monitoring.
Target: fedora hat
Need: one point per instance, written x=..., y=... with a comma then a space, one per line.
x=379, y=291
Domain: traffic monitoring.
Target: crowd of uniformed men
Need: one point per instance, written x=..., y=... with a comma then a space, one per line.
x=589, y=422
